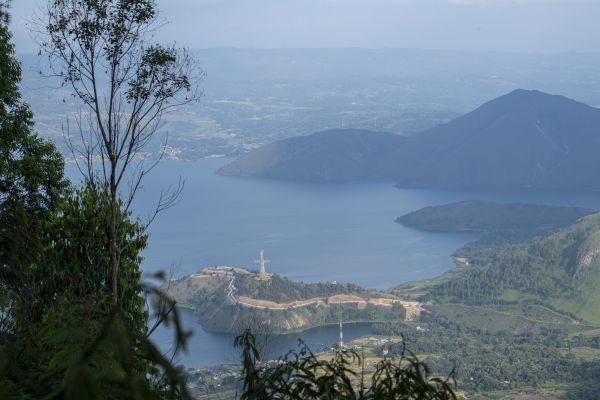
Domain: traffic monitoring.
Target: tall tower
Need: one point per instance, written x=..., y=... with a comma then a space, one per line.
x=262, y=273
x=341, y=340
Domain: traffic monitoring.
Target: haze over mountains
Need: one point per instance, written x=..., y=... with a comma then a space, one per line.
x=256, y=96
x=519, y=140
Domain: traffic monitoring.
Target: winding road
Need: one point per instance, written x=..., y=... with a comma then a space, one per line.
x=231, y=287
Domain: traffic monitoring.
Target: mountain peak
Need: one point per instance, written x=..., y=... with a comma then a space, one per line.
x=526, y=138
x=520, y=96
x=527, y=93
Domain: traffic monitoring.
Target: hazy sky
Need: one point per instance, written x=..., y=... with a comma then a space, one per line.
x=506, y=25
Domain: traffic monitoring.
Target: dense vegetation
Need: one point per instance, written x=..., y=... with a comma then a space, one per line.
x=75, y=317
x=560, y=271
x=235, y=319
x=302, y=375
x=216, y=313
x=484, y=361
x=282, y=290
x=64, y=332
x=501, y=225
x=485, y=216
x=483, y=250
x=524, y=317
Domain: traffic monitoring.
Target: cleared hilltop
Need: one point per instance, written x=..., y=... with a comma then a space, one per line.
x=522, y=139
x=228, y=299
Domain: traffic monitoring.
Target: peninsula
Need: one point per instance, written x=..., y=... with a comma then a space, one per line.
x=230, y=299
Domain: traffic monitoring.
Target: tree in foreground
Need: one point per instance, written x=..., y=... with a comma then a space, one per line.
x=92, y=349
x=31, y=185
x=61, y=333
x=103, y=50
x=302, y=375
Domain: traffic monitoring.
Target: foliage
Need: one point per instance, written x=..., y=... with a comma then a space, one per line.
x=501, y=225
x=215, y=312
x=560, y=271
x=235, y=318
x=81, y=345
x=484, y=216
x=281, y=290
x=77, y=250
x=301, y=375
x=31, y=170
x=61, y=335
x=485, y=361
x=125, y=83
x=31, y=184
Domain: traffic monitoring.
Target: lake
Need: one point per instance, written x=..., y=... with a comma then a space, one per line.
x=310, y=232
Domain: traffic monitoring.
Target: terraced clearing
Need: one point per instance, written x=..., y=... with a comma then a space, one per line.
x=413, y=308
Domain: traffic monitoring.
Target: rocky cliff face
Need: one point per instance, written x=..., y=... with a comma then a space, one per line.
x=588, y=252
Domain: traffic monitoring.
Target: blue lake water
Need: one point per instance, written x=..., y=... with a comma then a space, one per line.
x=310, y=232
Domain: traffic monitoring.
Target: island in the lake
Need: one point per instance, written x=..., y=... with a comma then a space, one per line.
x=231, y=299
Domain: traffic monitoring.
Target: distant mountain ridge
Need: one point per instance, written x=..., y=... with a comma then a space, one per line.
x=332, y=155
x=525, y=139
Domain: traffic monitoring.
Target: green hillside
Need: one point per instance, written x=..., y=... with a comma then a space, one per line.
x=487, y=216
x=560, y=271
x=280, y=289
x=332, y=155
x=231, y=300
x=500, y=224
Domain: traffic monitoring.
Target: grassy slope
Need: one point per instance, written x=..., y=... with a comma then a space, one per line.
x=561, y=271
x=572, y=244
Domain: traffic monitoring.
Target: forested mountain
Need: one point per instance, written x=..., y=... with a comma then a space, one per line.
x=561, y=271
x=500, y=224
x=522, y=324
x=485, y=216
x=523, y=139
x=333, y=155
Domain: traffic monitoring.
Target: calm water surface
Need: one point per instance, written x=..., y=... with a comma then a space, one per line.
x=310, y=232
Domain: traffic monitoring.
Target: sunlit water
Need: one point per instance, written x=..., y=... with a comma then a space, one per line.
x=310, y=232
